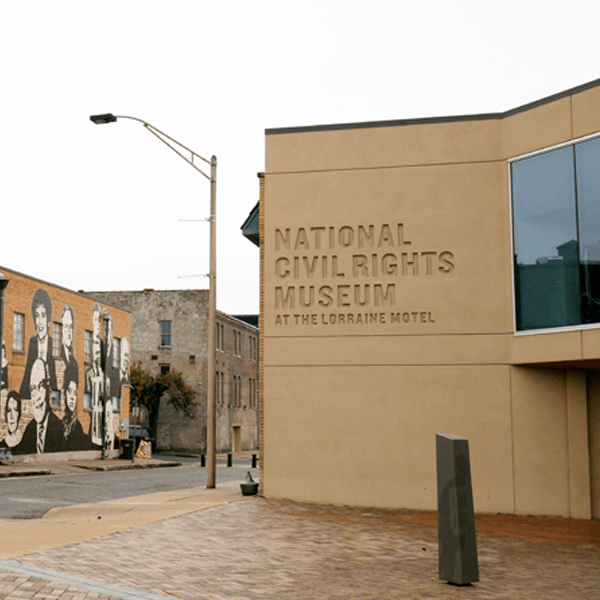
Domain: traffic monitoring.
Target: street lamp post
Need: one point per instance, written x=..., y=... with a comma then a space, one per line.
x=3, y=284
x=212, y=290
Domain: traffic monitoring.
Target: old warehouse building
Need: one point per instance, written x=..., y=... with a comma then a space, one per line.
x=169, y=332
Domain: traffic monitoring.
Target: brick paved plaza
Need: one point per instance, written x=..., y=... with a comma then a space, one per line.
x=264, y=549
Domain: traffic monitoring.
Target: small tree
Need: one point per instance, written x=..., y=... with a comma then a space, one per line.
x=147, y=389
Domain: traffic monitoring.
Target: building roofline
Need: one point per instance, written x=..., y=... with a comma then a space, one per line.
x=434, y=120
x=144, y=291
x=238, y=322
x=59, y=287
x=220, y=313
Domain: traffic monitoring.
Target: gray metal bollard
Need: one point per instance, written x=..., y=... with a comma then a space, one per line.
x=456, y=519
x=202, y=460
x=229, y=459
x=254, y=461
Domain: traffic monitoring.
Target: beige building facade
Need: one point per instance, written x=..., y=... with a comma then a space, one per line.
x=434, y=276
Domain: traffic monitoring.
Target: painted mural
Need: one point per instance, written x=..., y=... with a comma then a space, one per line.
x=40, y=412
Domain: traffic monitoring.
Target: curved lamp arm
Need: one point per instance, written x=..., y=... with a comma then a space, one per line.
x=161, y=135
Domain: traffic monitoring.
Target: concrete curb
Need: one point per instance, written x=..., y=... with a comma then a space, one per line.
x=73, y=466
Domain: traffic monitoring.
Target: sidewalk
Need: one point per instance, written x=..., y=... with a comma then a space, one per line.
x=216, y=544
x=59, y=467
x=16, y=469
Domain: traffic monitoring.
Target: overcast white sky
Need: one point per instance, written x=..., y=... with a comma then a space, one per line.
x=98, y=207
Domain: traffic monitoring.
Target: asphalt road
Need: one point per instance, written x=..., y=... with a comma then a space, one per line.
x=32, y=497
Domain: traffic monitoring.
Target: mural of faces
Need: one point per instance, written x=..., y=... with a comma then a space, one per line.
x=40, y=345
x=41, y=310
x=108, y=337
x=124, y=358
x=96, y=351
x=4, y=370
x=40, y=393
x=96, y=321
x=41, y=321
x=12, y=415
x=46, y=432
x=13, y=412
x=67, y=326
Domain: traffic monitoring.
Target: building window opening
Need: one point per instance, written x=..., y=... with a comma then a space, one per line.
x=556, y=235
x=165, y=333
x=56, y=339
x=18, y=332
x=55, y=398
x=116, y=354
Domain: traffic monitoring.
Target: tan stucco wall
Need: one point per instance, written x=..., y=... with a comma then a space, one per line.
x=351, y=408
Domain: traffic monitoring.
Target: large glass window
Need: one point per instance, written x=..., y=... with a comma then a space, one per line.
x=587, y=157
x=556, y=213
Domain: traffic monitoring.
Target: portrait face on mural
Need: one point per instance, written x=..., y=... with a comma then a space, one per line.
x=40, y=390
x=71, y=396
x=70, y=387
x=41, y=321
x=41, y=311
x=96, y=321
x=96, y=351
x=67, y=326
x=13, y=412
x=4, y=371
x=124, y=357
x=109, y=429
x=108, y=335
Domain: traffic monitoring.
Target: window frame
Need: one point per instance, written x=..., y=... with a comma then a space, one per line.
x=116, y=353
x=163, y=335
x=510, y=161
x=55, y=398
x=57, y=338
x=18, y=332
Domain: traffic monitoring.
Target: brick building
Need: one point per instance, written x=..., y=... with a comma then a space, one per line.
x=169, y=332
x=65, y=371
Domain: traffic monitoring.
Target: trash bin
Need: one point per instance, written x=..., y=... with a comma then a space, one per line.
x=127, y=446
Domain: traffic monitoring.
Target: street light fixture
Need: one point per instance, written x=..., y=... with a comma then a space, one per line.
x=212, y=293
x=3, y=284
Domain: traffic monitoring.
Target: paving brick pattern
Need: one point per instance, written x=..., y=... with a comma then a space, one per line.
x=15, y=586
x=260, y=549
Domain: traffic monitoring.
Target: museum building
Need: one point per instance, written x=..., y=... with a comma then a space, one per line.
x=427, y=276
